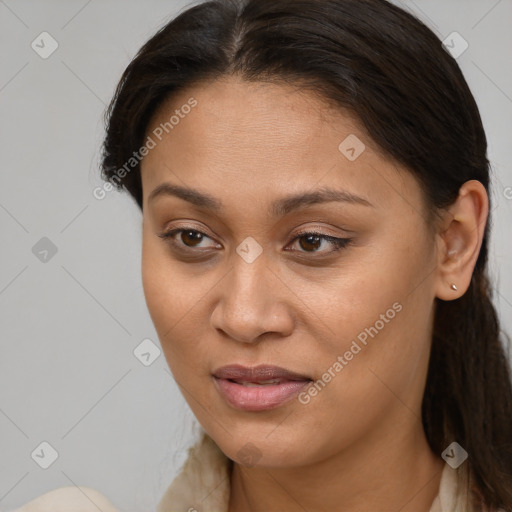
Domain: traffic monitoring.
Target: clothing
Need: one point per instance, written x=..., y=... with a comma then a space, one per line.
x=69, y=499
x=203, y=485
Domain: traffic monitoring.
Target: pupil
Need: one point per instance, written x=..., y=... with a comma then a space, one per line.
x=310, y=239
x=193, y=235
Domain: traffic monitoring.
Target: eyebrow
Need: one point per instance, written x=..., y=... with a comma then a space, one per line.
x=280, y=207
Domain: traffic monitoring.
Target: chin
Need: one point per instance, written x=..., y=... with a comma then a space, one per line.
x=254, y=446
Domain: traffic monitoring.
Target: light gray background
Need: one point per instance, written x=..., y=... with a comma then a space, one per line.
x=69, y=326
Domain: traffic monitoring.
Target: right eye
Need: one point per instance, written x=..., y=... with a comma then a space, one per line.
x=188, y=235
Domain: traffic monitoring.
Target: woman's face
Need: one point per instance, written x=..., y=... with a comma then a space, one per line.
x=246, y=287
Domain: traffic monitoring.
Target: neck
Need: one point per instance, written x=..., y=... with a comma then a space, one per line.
x=383, y=471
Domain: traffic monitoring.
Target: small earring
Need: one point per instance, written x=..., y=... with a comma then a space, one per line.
x=453, y=287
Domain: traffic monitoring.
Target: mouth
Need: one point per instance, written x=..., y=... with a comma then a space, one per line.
x=259, y=388
x=257, y=374
x=258, y=383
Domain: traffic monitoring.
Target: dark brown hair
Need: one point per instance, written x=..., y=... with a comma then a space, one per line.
x=392, y=73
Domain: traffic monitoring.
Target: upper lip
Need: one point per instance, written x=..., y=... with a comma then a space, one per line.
x=256, y=373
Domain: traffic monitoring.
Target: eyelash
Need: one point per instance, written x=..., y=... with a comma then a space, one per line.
x=339, y=243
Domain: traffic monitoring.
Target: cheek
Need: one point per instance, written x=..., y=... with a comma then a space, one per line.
x=174, y=303
x=164, y=292
x=377, y=320
x=153, y=283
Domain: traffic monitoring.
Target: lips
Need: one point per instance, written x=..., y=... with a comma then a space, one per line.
x=260, y=388
x=262, y=374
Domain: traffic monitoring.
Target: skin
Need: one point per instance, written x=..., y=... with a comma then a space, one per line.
x=359, y=444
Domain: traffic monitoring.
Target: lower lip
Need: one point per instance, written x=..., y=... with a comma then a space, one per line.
x=261, y=398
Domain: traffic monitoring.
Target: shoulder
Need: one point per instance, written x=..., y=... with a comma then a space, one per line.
x=82, y=499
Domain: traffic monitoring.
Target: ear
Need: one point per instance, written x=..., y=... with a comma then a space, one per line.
x=459, y=240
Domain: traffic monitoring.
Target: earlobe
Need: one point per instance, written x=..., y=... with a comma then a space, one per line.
x=460, y=240
x=451, y=266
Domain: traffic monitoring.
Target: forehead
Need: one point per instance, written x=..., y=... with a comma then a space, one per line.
x=264, y=139
x=230, y=112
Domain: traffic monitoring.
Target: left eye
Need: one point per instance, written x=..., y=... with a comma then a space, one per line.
x=308, y=240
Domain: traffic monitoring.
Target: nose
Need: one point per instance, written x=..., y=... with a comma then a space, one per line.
x=251, y=302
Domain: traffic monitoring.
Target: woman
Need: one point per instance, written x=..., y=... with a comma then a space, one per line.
x=314, y=187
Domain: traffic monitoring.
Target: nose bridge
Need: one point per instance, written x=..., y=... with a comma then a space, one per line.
x=246, y=295
x=248, y=304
